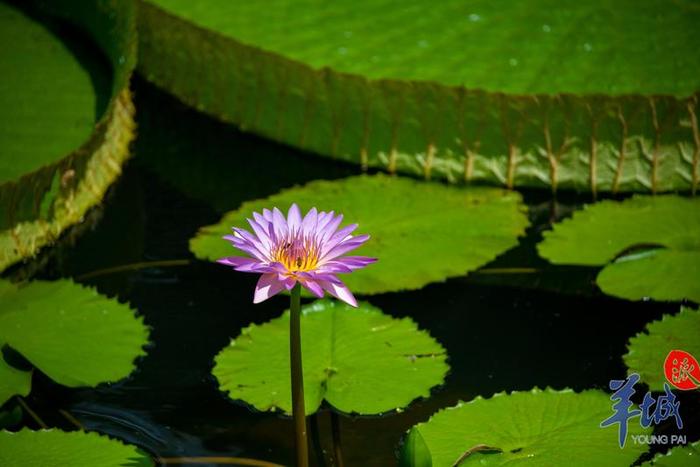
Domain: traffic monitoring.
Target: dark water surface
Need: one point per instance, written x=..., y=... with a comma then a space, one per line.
x=502, y=333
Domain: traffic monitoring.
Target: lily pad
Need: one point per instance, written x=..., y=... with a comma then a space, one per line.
x=11, y=417
x=13, y=381
x=680, y=456
x=531, y=428
x=649, y=245
x=70, y=332
x=421, y=232
x=553, y=93
x=66, y=120
x=647, y=350
x=67, y=449
x=357, y=359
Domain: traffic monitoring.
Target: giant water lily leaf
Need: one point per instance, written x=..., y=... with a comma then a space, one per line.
x=680, y=456
x=65, y=115
x=13, y=381
x=67, y=449
x=421, y=232
x=66, y=119
x=528, y=428
x=647, y=351
x=549, y=93
x=649, y=245
x=357, y=359
x=70, y=332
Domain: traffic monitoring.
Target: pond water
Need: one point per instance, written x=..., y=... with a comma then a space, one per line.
x=505, y=328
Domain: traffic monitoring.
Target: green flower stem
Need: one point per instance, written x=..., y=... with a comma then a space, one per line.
x=298, y=411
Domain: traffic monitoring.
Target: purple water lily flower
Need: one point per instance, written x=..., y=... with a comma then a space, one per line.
x=291, y=250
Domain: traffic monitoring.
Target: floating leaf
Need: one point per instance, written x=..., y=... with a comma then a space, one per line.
x=680, y=456
x=553, y=93
x=357, y=359
x=13, y=381
x=650, y=246
x=11, y=417
x=421, y=232
x=664, y=275
x=70, y=332
x=414, y=452
x=67, y=449
x=66, y=119
x=647, y=350
x=535, y=428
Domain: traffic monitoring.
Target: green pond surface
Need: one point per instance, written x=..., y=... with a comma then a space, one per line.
x=547, y=326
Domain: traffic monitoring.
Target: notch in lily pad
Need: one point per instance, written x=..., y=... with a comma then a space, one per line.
x=70, y=332
x=423, y=232
x=359, y=360
x=541, y=427
x=649, y=246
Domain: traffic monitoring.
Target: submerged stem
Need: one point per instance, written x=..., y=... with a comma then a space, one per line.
x=316, y=440
x=337, y=446
x=298, y=411
x=134, y=267
x=216, y=460
x=31, y=413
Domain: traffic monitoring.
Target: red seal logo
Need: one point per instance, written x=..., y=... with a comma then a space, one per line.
x=682, y=370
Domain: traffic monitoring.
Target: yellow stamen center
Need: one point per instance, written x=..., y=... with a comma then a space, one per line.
x=297, y=255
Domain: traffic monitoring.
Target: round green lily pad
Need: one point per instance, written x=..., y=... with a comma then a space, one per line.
x=680, y=456
x=70, y=332
x=649, y=245
x=357, y=359
x=647, y=350
x=549, y=93
x=528, y=428
x=662, y=275
x=421, y=232
x=67, y=449
x=66, y=119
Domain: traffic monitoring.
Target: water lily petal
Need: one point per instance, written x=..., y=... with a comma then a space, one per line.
x=311, y=285
x=344, y=247
x=356, y=261
x=267, y=286
x=294, y=219
x=338, y=237
x=335, y=267
x=288, y=281
x=280, y=223
x=254, y=249
x=328, y=229
x=242, y=263
x=346, y=263
x=339, y=291
x=261, y=233
x=267, y=215
x=308, y=225
x=262, y=222
x=246, y=247
x=252, y=239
